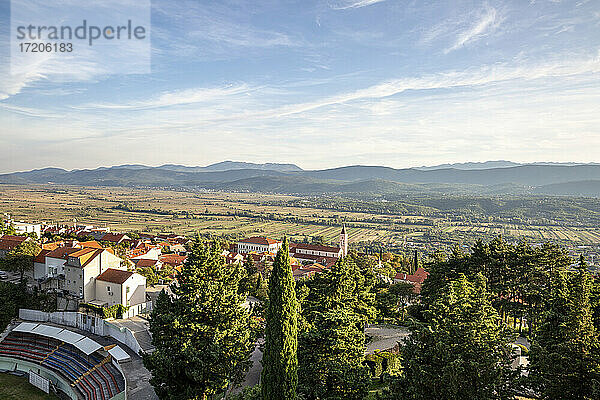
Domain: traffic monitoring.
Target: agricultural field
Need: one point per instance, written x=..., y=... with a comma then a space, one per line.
x=244, y=214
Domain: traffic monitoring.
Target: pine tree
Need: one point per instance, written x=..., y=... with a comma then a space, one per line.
x=280, y=362
x=462, y=351
x=337, y=306
x=249, y=265
x=564, y=358
x=330, y=354
x=202, y=333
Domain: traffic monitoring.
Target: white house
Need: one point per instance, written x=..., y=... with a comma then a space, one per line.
x=22, y=227
x=259, y=245
x=82, y=268
x=115, y=286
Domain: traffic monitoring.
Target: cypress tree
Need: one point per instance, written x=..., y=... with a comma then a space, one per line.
x=280, y=361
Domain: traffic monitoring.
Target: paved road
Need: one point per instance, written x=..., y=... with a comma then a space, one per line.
x=384, y=337
x=253, y=375
x=140, y=329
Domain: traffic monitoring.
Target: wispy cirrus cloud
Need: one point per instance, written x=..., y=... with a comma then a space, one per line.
x=176, y=98
x=485, y=75
x=486, y=23
x=346, y=4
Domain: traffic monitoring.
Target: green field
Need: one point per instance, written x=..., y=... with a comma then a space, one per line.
x=568, y=221
x=17, y=388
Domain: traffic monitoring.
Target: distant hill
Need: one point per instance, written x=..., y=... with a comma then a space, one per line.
x=232, y=165
x=522, y=179
x=580, y=188
x=495, y=164
x=472, y=165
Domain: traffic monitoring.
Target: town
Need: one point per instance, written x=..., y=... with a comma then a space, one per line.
x=105, y=286
x=93, y=274
x=299, y=200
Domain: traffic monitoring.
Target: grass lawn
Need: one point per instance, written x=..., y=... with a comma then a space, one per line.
x=17, y=388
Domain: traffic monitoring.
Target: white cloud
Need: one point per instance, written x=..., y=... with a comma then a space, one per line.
x=176, y=98
x=346, y=4
x=486, y=23
x=453, y=79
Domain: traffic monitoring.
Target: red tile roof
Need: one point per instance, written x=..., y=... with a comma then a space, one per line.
x=314, y=247
x=117, y=276
x=172, y=259
x=14, y=237
x=9, y=242
x=144, y=262
x=62, y=252
x=418, y=277
x=41, y=257
x=92, y=244
x=52, y=245
x=259, y=240
x=114, y=237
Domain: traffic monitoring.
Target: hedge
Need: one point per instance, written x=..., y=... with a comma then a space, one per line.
x=114, y=311
x=383, y=363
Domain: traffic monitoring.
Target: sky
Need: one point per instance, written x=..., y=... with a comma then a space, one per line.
x=320, y=84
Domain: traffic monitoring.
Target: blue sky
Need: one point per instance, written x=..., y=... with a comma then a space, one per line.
x=322, y=84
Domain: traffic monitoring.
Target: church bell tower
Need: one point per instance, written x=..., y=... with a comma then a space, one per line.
x=344, y=241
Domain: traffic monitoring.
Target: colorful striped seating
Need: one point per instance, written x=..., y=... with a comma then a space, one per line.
x=93, y=377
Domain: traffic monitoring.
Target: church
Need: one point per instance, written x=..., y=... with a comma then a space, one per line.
x=303, y=252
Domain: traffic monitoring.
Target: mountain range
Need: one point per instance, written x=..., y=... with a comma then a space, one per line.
x=493, y=177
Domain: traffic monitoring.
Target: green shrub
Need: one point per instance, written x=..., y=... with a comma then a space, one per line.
x=524, y=350
x=383, y=363
x=249, y=393
x=114, y=311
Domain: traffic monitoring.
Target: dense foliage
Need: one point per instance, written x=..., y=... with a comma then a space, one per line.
x=461, y=351
x=202, y=333
x=565, y=356
x=20, y=259
x=335, y=310
x=280, y=361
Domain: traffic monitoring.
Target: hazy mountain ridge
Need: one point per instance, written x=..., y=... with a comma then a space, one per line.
x=496, y=164
x=578, y=180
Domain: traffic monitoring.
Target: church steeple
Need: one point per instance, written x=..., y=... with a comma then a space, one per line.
x=344, y=241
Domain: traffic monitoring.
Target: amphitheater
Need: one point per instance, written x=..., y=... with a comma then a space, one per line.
x=73, y=363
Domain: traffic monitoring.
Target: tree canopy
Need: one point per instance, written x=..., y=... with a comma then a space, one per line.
x=280, y=361
x=20, y=259
x=461, y=351
x=202, y=333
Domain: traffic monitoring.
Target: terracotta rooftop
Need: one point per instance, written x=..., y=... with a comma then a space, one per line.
x=9, y=242
x=62, y=252
x=114, y=237
x=259, y=240
x=117, y=276
x=92, y=244
x=172, y=259
x=41, y=257
x=315, y=247
x=144, y=262
x=418, y=277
